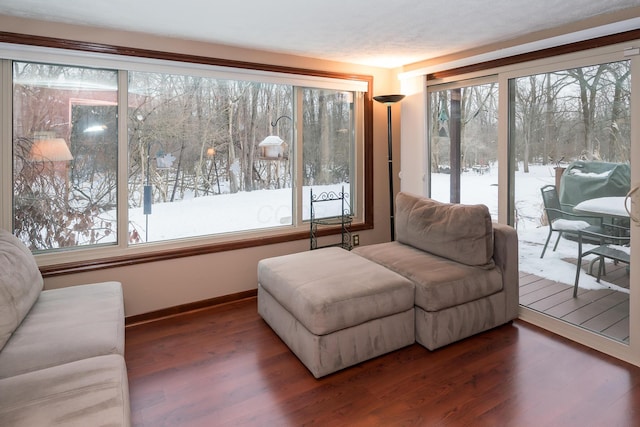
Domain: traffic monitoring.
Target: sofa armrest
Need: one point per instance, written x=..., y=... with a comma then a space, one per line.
x=505, y=256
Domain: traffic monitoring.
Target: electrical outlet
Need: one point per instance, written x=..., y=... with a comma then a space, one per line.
x=355, y=239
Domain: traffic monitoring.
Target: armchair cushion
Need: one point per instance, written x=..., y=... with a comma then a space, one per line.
x=461, y=233
x=20, y=284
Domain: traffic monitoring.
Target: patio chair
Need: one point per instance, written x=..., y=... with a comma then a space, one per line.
x=614, y=249
x=565, y=222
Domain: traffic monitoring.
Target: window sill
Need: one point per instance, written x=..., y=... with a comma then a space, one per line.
x=154, y=255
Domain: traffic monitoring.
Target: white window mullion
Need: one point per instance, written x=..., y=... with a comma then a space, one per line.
x=123, y=160
x=6, y=163
x=504, y=185
x=357, y=174
x=297, y=157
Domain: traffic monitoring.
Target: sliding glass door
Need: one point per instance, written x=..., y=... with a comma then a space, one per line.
x=566, y=127
x=569, y=135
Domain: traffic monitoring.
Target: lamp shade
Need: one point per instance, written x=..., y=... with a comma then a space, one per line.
x=389, y=99
x=50, y=150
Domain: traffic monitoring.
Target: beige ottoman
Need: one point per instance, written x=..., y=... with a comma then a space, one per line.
x=335, y=309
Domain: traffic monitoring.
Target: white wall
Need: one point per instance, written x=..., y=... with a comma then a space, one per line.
x=413, y=135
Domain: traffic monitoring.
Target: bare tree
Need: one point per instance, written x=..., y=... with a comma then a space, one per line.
x=589, y=83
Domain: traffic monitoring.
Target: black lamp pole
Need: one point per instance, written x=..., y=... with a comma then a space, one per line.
x=389, y=100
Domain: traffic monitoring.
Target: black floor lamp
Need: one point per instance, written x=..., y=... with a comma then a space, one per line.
x=389, y=100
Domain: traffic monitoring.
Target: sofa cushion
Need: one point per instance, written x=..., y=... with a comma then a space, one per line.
x=461, y=233
x=332, y=289
x=89, y=392
x=65, y=325
x=440, y=282
x=20, y=284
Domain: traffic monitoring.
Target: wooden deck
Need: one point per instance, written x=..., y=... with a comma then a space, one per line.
x=603, y=311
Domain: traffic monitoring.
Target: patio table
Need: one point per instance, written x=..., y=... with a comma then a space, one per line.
x=605, y=207
x=609, y=207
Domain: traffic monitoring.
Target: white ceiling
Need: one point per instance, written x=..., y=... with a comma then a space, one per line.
x=386, y=33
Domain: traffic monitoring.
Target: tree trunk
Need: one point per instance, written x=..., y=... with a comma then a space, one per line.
x=548, y=122
x=324, y=149
x=232, y=167
x=615, y=155
x=587, y=104
x=251, y=139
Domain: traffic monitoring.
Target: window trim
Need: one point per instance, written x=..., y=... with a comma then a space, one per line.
x=56, y=265
x=542, y=54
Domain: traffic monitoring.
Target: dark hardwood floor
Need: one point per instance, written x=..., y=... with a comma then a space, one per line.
x=224, y=366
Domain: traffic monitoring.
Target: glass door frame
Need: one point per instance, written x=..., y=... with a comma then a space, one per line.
x=628, y=352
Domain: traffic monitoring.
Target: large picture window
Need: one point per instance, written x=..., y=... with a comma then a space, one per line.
x=207, y=156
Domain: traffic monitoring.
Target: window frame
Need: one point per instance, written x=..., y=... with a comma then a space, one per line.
x=74, y=53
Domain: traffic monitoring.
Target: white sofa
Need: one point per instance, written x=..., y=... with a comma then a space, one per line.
x=61, y=350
